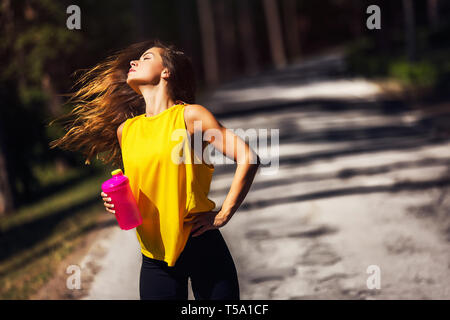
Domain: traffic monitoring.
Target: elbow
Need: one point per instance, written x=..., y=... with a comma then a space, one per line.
x=250, y=159
x=254, y=160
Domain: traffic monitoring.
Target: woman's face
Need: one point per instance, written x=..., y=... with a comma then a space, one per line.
x=148, y=70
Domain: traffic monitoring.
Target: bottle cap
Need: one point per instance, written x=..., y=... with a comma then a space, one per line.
x=117, y=171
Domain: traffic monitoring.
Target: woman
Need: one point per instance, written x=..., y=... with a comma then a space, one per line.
x=133, y=106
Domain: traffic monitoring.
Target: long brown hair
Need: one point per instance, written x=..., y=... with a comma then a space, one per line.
x=104, y=100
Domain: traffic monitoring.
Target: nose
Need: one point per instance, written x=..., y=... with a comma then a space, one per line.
x=133, y=63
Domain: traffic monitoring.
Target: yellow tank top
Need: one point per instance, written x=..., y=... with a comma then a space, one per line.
x=166, y=191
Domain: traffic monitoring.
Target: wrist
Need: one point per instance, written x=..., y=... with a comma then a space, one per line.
x=225, y=213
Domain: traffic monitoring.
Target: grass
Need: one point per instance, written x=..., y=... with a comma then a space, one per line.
x=430, y=71
x=36, y=237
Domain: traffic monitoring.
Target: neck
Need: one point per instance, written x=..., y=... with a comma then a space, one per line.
x=156, y=100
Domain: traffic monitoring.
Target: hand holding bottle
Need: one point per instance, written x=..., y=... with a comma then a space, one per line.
x=118, y=199
x=107, y=203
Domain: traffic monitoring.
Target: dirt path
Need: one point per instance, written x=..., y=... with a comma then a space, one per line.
x=321, y=249
x=335, y=208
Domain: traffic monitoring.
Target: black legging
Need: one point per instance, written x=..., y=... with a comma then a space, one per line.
x=205, y=259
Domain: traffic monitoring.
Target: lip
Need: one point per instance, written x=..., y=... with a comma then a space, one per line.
x=131, y=70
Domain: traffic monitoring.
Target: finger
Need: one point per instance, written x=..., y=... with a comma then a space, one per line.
x=199, y=214
x=196, y=227
x=103, y=194
x=111, y=211
x=200, y=231
x=109, y=205
x=107, y=199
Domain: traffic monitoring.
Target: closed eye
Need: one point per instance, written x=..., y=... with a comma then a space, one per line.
x=147, y=55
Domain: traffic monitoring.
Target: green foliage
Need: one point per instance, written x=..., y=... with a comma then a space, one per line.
x=362, y=59
x=36, y=40
x=43, y=43
x=430, y=71
x=422, y=74
x=38, y=55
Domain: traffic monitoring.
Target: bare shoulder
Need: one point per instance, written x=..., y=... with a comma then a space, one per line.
x=197, y=112
x=119, y=128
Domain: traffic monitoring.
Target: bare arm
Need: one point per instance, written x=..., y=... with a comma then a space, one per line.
x=233, y=147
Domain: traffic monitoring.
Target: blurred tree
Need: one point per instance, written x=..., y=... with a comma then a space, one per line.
x=433, y=13
x=37, y=55
x=291, y=27
x=226, y=34
x=34, y=38
x=188, y=24
x=247, y=38
x=274, y=31
x=410, y=30
x=6, y=197
x=358, y=11
x=207, y=31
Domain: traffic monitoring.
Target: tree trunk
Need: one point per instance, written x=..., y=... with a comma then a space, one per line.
x=433, y=13
x=247, y=38
x=54, y=102
x=291, y=28
x=207, y=31
x=6, y=198
x=410, y=32
x=358, y=9
x=274, y=30
x=185, y=28
x=226, y=37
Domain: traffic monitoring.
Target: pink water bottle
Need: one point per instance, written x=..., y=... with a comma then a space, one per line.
x=118, y=189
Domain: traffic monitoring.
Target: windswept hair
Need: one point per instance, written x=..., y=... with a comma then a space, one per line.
x=104, y=100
